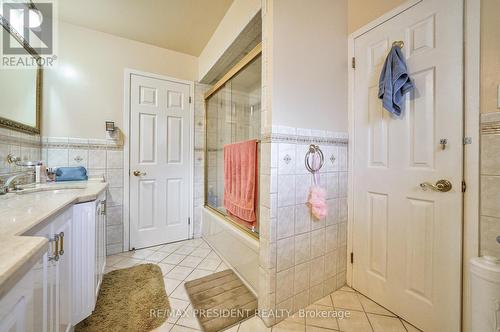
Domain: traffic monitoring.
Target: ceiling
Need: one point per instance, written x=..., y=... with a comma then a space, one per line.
x=180, y=25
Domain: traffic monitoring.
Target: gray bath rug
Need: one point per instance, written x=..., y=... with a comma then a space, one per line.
x=220, y=300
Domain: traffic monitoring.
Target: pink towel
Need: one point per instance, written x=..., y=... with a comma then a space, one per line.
x=240, y=179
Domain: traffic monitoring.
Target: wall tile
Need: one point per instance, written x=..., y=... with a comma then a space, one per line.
x=302, y=187
x=286, y=190
x=302, y=273
x=317, y=270
x=301, y=300
x=343, y=210
x=114, y=159
x=97, y=158
x=114, y=177
x=330, y=264
x=302, y=248
x=316, y=292
x=114, y=215
x=286, y=218
x=114, y=234
x=331, y=238
x=78, y=157
x=302, y=219
x=302, y=150
x=333, y=212
x=342, y=158
x=57, y=157
x=284, y=284
x=318, y=243
x=490, y=154
x=490, y=195
x=286, y=159
x=332, y=185
x=490, y=230
x=115, y=196
x=285, y=254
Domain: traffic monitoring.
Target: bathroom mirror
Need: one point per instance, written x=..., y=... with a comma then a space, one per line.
x=20, y=93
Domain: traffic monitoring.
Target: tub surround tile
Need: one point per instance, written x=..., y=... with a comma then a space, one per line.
x=317, y=244
x=490, y=184
x=285, y=253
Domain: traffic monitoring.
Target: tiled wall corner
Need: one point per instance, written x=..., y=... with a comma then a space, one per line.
x=301, y=258
x=26, y=146
x=267, y=187
x=101, y=158
x=490, y=185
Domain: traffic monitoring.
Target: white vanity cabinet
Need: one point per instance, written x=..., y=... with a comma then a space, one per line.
x=89, y=255
x=61, y=289
x=53, y=281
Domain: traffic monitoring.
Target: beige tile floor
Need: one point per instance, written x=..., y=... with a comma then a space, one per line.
x=192, y=259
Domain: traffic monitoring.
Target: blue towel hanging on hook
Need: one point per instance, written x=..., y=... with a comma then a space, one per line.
x=394, y=81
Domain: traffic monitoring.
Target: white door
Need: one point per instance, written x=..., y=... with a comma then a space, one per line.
x=159, y=161
x=407, y=241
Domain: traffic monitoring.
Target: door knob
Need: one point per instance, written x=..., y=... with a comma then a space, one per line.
x=441, y=185
x=139, y=173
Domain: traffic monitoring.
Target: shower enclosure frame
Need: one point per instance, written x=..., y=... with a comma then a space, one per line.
x=236, y=69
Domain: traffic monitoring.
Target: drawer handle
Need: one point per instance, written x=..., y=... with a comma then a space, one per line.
x=61, y=245
x=55, y=248
x=103, y=207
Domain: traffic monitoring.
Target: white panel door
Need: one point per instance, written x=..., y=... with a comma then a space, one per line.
x=159, y=161
x=406, y=240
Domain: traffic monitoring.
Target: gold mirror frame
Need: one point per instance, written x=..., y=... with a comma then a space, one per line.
x=11, y=124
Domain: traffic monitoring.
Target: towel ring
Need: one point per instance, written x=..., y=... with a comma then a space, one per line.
x=314, y=149
x=399, y=43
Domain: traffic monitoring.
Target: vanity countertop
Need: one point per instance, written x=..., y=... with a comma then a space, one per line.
x=24, y=213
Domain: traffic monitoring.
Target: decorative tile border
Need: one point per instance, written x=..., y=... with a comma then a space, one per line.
x=282, y=134
x=24, y=140
x=80, y=144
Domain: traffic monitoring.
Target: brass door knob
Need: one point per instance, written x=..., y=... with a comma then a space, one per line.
x=138, y=173
x=441, y=185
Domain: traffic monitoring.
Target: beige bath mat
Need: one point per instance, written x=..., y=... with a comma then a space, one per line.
x=220, y=300
x=132, y=299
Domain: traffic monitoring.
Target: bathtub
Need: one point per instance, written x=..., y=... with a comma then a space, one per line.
x=238, y=249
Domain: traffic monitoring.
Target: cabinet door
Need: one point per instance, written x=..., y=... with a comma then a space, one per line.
x=83, y=260
x=40, y=299
x=47, y=268
x=97, y=279
x=62, y=227
x=16, y=307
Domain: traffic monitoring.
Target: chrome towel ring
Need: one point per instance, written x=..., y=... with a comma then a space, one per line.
x=312, y=150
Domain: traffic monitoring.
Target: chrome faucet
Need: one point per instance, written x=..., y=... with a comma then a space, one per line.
x=11, y=182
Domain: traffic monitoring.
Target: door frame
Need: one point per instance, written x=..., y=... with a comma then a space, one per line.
x=471, y=115
x=126, y=148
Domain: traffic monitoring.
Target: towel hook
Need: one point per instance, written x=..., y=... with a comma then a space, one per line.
x=398, y=43
x=312, y=150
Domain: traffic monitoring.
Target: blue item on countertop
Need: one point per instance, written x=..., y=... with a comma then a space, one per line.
x=71, y=174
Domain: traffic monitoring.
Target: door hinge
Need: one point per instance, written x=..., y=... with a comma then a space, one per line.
x=190, y=99
x=464, y=186
x=467, y=140
x=353, y=62
x=352, y=258
x=189, y=221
